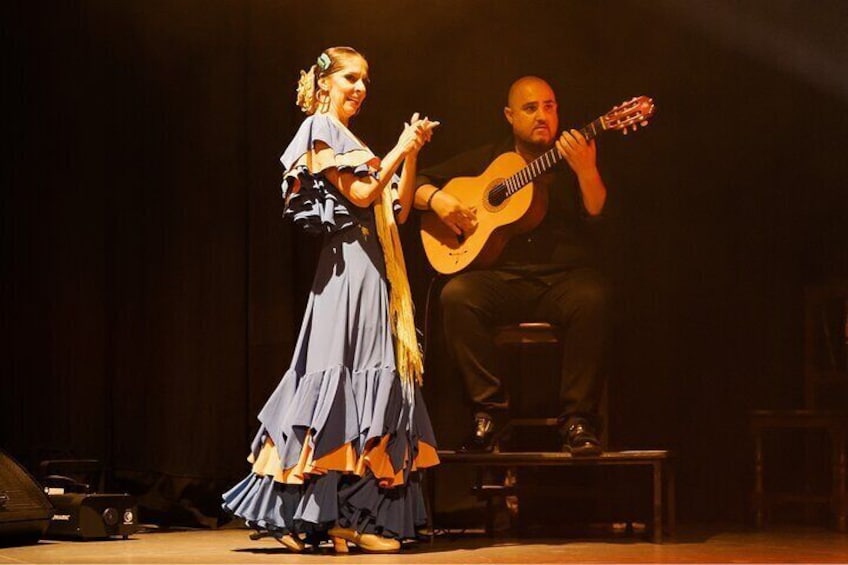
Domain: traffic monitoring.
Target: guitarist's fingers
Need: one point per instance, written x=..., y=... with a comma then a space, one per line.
x=562, y=144
x=561, y=147
x=579, y=156
x=571, y=144
x=454, y=228
x=464, y=218
x=578, y=137
x=586, y=148
x=568, y=140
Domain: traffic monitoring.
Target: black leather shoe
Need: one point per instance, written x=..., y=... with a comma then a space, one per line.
x=581, y=440
x=482, y=437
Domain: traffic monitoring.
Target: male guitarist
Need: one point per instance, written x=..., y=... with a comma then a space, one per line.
x=546, y=274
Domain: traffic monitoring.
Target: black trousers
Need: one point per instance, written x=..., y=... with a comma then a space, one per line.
x=474, y=303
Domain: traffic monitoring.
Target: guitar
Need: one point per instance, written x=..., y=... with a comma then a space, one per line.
x=504, y=197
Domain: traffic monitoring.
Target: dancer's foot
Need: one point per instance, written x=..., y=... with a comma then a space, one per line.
x=292, y=543
x=371, y=543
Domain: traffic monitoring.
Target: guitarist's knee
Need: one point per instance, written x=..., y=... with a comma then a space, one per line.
x=462, y=295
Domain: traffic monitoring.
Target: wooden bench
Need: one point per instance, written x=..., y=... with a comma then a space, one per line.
x=660, y=462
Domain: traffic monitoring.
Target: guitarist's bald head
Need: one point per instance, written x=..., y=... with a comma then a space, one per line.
x=518, y=89
x=532, y=113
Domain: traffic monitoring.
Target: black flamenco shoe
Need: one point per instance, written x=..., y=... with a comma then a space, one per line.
x=581, y=440
x=482, y=438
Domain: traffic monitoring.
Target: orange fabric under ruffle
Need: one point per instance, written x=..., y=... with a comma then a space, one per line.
x=343, y=459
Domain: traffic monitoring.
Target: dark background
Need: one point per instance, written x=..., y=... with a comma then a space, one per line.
x=151, y=292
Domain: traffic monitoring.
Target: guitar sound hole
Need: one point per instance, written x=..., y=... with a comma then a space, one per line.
x=497, y=195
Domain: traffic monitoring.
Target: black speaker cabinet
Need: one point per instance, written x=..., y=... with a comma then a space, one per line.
x=25, y=510
x=93, y=516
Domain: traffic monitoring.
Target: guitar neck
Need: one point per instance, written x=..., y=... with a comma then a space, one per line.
x=545, y=162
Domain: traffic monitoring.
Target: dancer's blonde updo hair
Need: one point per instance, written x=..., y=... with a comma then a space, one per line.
x=309, y=95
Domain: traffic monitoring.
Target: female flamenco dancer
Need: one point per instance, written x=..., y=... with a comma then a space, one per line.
x=344, y=434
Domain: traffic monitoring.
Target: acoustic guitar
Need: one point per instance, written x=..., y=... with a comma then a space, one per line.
x=504, y=197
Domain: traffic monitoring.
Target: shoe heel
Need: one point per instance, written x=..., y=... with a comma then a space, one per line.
x=340, y=545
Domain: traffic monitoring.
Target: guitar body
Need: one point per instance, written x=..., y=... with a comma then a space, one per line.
x=521, y=212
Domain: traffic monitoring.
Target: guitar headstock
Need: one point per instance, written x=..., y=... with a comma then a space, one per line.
x=629, y=115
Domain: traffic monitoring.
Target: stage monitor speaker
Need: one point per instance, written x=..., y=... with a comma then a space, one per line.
x=93, y=516
x=25, y=510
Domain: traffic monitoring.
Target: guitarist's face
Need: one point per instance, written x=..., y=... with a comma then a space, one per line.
x=532, y=112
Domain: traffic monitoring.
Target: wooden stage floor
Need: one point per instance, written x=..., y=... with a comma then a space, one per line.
x=692, y=545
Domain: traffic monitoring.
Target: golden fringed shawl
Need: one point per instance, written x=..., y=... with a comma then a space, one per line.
x=408, y=356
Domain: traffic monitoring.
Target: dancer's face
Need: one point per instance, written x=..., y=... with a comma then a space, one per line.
x=347, y=88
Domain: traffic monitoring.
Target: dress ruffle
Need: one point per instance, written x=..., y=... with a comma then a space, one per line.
x=335, y=498
x=330, y=426
x=369, y=508
x=320, y=143
x=342, y=420
x=312, y=202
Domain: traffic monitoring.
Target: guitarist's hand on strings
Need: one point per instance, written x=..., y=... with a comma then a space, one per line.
x=581, y=157
x=580, y=154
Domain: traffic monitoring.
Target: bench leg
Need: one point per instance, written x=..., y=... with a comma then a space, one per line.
x=670, y=501
x=658, y=501
x=758, y=481
x=840, y=506
x=489, y=523
x=490, y=517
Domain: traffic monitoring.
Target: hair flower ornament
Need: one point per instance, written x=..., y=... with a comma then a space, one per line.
x=323, y=62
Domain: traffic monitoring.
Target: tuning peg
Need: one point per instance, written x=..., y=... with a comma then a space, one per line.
x=624, y=131
x=644, y=123
x=635, y=127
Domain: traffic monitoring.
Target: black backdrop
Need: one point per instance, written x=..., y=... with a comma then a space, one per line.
x=151, y=293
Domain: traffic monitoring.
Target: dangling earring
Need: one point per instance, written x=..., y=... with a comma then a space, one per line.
x=323, y=101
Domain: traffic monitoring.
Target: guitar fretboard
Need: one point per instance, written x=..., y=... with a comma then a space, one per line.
x=539, y=166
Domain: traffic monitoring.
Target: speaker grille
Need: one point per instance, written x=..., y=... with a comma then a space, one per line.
x=20, y=496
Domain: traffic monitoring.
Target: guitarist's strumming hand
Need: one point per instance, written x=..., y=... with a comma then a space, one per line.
x=459, y=218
